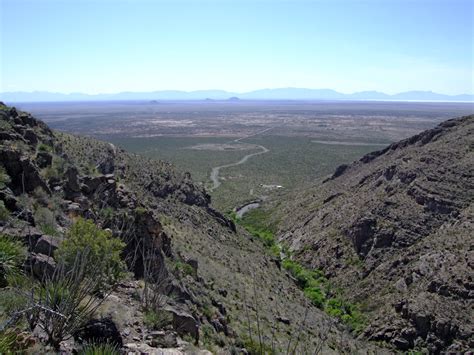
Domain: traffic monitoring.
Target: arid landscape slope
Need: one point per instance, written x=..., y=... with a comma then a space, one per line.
x=395, y=232
x=213, y=285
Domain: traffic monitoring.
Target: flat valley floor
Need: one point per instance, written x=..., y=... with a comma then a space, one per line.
x=244, y=151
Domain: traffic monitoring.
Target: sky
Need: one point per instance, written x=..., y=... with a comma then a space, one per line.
x=109, y=46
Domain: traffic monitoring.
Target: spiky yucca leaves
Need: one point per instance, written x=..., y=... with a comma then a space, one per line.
x=100, y=349
x=12, y=253
x=64, y=302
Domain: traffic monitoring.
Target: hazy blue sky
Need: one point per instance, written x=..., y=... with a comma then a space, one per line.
x=111, y=46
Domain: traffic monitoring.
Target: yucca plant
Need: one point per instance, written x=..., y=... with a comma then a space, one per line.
x=12, y=253
x=100, y=349
x=13, y=341
x=64, y=302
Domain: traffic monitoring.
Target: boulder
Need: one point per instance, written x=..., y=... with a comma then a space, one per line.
x=162, y=339
x=72, y=180
x=27, y=177
x=401, y=343
x=107, y=165
x=10, y=201
x=40, y=265
x=220, y=325
x=46, y=245
x=361, y=234
x=91, y=184
x=31, y=136
x=183, y=322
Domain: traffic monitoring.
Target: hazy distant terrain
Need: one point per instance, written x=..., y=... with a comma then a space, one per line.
x=263, y=94
x=305, y=139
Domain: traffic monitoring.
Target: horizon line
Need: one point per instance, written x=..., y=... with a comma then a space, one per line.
x=232, y=91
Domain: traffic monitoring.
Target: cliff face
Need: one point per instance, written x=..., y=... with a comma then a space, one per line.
x=217, y=283
x=395, y=231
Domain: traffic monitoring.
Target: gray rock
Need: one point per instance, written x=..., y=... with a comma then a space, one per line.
x=25, y=172
x=46, y=245
x=107, y=165
x=72, y=180
x=183, y=322
x=401, y=343
x=40, y=265
x=30, y=136
x=162, y=339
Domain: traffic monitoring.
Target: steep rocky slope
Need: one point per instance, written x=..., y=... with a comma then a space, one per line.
x=395, y=231
x=218, y=285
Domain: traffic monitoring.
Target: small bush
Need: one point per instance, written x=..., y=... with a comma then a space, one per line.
x=44, y=148
x=105, y=264
x=11, y=301
x=7, y=342
x=254, y=347
x=46, y=221
x=349, y=313
x=4, y=212
x=12, y=253
x=14, y=342
x=100, y=349
x=4, y=177
x=183, y=269
x=315, y=295
x=56, y=169
x=155, y=319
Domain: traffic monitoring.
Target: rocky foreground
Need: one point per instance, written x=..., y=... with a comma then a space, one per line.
x=395, y=231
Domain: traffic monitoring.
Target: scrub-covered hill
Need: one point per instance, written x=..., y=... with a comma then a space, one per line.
x=101, y=246
x=395, y=232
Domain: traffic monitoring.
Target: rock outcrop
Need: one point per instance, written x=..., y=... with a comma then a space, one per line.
x=395, y=231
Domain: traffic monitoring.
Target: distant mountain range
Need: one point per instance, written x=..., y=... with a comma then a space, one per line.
x=264, y=94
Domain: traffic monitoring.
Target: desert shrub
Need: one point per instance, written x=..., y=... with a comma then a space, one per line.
x=46, y=221
x=348, y=312
x=4, y=213
x=253, y=223
x=11, y=301
x=7, y=342
x=104, y=262
x=106, y=213
x=183, y=269
x=4, y=125
x=41, y=196
x=100, y=349
x=12, y=253
x=56, y=169
x=315, y=295
x=12, y=341
x=4, y=177
x=254, y=347
x=44, y=148
x=156, y=319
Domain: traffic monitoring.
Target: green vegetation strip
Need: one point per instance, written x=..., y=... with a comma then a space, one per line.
x=314, y=284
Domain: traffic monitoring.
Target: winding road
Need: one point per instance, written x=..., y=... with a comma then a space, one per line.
x=215, y=170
